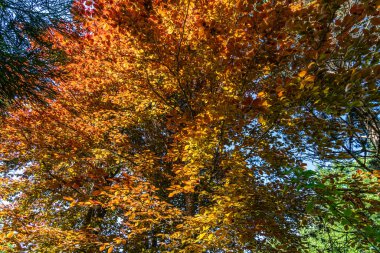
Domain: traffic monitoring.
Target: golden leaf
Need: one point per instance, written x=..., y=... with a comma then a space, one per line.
x=261, y=94
x=172, y=194
x=262, y=121
x=68, y=198
x=302, y=73
x=266, y=70
x=10, y=234
x=101, y=248
x=266, y=104
x=310, y=78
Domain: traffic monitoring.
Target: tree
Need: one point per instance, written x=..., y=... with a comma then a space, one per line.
x=28, y=60
x=182, y=125
x=345, y=210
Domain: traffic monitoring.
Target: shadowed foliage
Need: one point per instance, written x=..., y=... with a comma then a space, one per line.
x=28, y=60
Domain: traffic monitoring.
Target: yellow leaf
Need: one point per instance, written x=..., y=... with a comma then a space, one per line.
x=261, y=94
x=262, y=120
x=101, y=248
x=310, y=78
x=228, y=89
x=170, y=30
x=302, y=73
x=310, y=65
x=10, y=234
x=266, y=70
x=172, y=194
x=110, y=249
x=266, y=104
x=295, y=7
x=188, y=188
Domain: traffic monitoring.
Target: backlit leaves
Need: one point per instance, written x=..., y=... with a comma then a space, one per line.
x=184, y=125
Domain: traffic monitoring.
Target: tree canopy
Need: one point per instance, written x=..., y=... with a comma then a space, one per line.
x=184, y=126
x=28, y=59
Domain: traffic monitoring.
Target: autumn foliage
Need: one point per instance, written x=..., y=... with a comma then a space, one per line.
x=183, y=126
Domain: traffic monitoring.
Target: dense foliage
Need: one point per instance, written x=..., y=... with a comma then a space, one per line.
x=28, y=59
x=183, y=126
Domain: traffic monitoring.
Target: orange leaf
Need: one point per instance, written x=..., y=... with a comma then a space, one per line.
x=10, y=234
x=302, y=73
x=68, y=198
